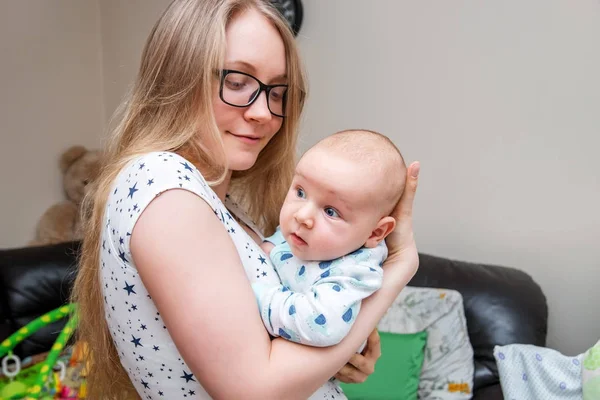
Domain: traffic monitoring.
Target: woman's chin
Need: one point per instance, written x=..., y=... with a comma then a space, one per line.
x=242, y=163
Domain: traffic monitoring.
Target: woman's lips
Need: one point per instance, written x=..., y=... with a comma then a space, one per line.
x=245, y=139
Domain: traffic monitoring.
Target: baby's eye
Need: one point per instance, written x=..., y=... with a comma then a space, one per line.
x=300, y=193
x=331, y=212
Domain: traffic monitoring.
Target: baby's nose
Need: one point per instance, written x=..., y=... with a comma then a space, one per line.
x=304, y=216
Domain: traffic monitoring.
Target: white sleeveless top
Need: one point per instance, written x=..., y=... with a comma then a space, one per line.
x=145, y=347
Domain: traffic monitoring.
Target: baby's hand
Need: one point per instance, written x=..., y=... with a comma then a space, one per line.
x=267, y=247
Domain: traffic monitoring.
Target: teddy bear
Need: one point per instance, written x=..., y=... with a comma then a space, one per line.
x=62, y=221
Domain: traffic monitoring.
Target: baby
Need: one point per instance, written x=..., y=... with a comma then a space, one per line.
x=329, y=247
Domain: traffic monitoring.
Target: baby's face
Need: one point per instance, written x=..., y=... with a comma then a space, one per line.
x=330, y=208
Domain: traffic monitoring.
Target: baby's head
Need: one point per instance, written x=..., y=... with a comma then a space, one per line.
x=343, y=192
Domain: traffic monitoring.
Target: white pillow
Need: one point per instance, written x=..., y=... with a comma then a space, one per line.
x=529, y=372
x=447, y=372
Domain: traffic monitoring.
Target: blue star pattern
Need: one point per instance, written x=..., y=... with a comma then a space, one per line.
x=143, y=342
x=316, y=303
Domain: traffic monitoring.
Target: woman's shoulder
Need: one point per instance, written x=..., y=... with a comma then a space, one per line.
x=155, y=172
x=162, y=163
x=147, y=176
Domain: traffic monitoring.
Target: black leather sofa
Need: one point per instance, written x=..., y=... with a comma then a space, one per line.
x=502, y=305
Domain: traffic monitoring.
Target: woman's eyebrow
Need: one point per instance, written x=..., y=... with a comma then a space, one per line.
x=252, y=69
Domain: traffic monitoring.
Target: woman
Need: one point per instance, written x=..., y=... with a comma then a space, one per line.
x=163, y=287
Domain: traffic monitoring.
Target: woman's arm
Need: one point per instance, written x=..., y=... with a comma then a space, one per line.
x=195, y=277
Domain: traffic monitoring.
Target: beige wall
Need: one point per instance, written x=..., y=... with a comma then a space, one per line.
x=125, y=26
x=50, y=99
x=498, y=100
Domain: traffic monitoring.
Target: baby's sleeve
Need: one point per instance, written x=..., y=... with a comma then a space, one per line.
x=276, y=238
x=324, y=315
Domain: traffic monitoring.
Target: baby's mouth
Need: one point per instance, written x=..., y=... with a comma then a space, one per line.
x=297, y=240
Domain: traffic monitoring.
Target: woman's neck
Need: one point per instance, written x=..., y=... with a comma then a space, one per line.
x=222, y=188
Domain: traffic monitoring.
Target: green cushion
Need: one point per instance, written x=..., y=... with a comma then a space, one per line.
x=397, y=371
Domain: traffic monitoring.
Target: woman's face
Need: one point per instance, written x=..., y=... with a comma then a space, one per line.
x=255, y=47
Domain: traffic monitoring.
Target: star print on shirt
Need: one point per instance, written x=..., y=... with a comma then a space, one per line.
x=129, y=289
x=187, y=377
x=122, y=256
x=132, y=190
x=136, y=341
x=187, y=166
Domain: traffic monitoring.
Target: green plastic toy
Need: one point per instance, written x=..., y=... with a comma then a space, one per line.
x=29, y=383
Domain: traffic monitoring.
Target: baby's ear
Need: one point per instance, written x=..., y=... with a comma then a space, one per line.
x=384, y=227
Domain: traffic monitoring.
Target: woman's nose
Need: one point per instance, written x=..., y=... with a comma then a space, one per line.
x=259, y=110
x=304, y=216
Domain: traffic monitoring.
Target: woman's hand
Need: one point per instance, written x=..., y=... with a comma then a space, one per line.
x=402, y=249
x=360, y=366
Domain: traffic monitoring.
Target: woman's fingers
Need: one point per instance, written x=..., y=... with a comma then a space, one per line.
x=360, y=366
x=349, y=374
x=401, y=238
x=372, y=350
x=405, y=205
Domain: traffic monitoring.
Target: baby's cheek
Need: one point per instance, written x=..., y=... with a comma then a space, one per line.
x=326, y=245
x=284, y=220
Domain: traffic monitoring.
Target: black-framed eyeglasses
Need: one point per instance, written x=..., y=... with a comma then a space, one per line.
x=240, y=89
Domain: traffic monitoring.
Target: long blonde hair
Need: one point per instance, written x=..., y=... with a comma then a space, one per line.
x=170, y=109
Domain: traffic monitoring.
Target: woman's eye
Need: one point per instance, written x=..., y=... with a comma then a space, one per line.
x=300, y=193
x=331, y=212
x=277, y=94
x=233, y=85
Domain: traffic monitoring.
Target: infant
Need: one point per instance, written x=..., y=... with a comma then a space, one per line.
x=329, y=247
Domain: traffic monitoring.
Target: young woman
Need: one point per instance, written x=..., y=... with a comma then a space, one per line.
x=164, y=293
